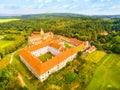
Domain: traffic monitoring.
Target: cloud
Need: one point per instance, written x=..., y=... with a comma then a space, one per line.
x=44, y=1
x=97, y=5
x=105, y=0
x=75, y=6
x=115, y=7
x=65, y=6
x=40, y=6
x=87, y=0
x=27, y=0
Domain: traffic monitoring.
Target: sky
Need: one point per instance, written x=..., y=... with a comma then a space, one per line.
x=87, y=7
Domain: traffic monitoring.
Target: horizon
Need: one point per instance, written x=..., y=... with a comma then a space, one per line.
x=2, y=15
x=84, y=7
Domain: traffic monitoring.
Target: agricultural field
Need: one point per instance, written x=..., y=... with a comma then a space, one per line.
x=107, y=74
x=7, y=20
x=4, y=43
x=95, y=56
x=4, y=62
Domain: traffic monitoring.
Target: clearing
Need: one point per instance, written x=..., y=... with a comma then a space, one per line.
x=107, y=74
x=7, y=20
x=4, y=43
x=95, y=56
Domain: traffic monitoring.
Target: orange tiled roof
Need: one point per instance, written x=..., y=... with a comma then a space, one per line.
x=91, y=48
x=41, y=68
x=104, y=33
x=34, y=62
x=36, y=33
x=75, y=41
x=46, y=66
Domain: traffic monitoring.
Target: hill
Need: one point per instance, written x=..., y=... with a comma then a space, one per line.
x=56, y=15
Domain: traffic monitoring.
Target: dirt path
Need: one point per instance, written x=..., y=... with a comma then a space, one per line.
x=21, y=80
x=11, y=57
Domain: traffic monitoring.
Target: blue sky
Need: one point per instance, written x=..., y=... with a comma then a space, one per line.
x=88, y=7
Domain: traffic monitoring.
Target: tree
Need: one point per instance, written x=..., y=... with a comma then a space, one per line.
x=116, y=48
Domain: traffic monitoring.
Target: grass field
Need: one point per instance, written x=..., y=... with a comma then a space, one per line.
x=67, y=45
x=5, y=61
x=94, y=56
x=4, y=43
x=7, y=20
x=107, y=75
x=45, y=57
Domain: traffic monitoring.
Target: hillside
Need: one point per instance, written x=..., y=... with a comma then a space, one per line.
x=58, y=15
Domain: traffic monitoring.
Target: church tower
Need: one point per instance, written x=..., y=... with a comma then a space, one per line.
x=41, y=32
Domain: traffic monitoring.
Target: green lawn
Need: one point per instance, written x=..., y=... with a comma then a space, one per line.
x=67, y=45
x=7, y=20
x=94, y=56
x=45, y=57
x=107, y=75
x=4, y=43
x=5, y=61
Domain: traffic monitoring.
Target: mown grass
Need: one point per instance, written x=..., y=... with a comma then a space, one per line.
x=107, y=75
x=7, y=20
x=5, y=61
x=67, y=45
x=4, y=43
x=45, y=57
x=95, y=56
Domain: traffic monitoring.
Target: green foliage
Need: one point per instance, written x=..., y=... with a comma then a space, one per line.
x=6, y=75
x=70, y=77
x=45, y=57
x=116, y=39
x=116, y=48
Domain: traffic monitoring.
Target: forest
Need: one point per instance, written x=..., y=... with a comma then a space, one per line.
x=83, y=28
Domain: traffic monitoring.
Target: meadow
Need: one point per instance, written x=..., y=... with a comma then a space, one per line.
x=107, y=74
x=4, y=43
x=95, y=56
x=7, y=20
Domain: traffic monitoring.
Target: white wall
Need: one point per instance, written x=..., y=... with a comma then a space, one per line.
x=28, y=66
x=44, y=50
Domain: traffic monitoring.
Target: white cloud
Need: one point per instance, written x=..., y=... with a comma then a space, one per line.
x=65, y=6
x=75, y=0
x=98, y=5
x=87, y=0
x=40, y=1
x=115, y=7
x=41, y=5
x=46, y=1
x=105, y=0
x=60, y=0
x=27, y=0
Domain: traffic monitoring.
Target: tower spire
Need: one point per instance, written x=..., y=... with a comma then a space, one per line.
x=41, y=32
